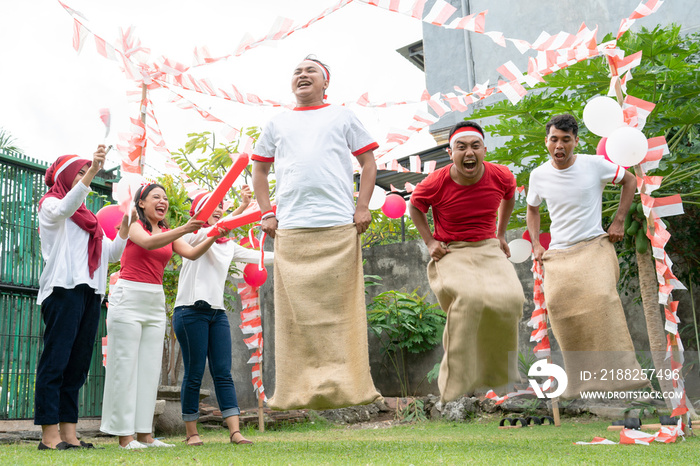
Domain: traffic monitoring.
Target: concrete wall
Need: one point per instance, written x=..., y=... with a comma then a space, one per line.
x=454, y=57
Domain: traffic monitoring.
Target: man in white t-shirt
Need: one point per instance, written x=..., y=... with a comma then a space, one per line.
x=572, y=186
x=581, y=268
x=321, y=357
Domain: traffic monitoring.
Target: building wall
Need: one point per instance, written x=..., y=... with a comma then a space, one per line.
x=461, y=58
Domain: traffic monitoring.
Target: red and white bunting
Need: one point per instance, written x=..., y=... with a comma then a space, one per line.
x=251, y=323
x=642, y=10
x=636, y=111
x=597, y=441
x=491, y=395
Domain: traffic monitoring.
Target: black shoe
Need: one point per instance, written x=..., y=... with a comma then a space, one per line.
x=42, y=446
x=90, y=445
x=66, y=446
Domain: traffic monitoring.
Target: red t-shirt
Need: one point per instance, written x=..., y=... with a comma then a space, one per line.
x=464, y=213
x=141, y=265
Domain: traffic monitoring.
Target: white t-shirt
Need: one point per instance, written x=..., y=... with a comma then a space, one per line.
x=64, y=247
x=205, y=278
x=312, y=149
x=574, y=197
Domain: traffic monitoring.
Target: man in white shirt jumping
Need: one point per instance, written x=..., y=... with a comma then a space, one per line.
x=581, y=267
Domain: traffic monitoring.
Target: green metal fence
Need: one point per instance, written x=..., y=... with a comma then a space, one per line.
x=21, y=326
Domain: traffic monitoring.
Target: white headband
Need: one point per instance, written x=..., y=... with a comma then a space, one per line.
x=68, y=161
x=465, y=131
x=201, y=202
x=323, y=68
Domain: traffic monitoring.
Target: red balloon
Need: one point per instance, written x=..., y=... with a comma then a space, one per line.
x=545, y=238
x=109, y=218
x=394, y=206
x=253, y=276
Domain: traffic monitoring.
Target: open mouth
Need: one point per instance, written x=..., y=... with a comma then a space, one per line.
x=216, y=217
x=161, y=210
x=303, y=84
x=469, y=164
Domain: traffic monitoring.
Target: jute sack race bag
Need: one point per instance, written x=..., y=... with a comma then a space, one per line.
x=587, y=319
x=479, y=290
x=321, y=350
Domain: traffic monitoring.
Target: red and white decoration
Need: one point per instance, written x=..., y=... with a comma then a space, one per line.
x=251, y=324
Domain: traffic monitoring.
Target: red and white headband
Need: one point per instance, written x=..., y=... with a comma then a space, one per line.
x=465, y=131
x=326, y=75
x=64, y=164
x=201, y=202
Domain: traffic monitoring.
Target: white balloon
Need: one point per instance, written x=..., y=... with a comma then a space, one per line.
x=520, y=250
x=627, y=146
x=377, y=199
x=602, y=116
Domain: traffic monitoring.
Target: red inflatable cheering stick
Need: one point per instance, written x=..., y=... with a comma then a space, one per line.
x=251, y=215
x=218, y=195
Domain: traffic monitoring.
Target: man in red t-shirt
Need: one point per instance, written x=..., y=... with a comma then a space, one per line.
x=469, y=273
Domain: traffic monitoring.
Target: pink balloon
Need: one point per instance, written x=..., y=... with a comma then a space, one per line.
x=253, y=276
x=600, y=150
x=394, y=206
x=109, y=218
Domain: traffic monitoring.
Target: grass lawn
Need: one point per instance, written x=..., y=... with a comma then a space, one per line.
x=479, y=442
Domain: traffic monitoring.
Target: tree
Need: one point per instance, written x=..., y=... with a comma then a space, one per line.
x=668, y=77
x=206, y=171
x=7, y=142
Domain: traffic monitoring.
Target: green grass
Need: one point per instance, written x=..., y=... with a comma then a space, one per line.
x=479, y=442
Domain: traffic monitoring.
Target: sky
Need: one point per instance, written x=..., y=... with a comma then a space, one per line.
x=50, y=95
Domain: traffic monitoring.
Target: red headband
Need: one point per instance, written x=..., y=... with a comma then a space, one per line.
x=324, y=70
x=465, y=131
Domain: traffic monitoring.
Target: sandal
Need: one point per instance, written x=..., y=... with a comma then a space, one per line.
x=195, y=444
x=239, y=442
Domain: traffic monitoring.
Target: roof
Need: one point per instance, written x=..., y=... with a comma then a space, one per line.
x=387, y=178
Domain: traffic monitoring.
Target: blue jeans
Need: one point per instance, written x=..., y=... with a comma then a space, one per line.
x=70, y=317
x=204, y=333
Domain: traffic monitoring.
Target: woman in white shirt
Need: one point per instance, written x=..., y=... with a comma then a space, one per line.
x=201, y=324
x=72, y=284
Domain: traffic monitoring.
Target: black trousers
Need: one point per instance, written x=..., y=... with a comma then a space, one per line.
x=71, y=317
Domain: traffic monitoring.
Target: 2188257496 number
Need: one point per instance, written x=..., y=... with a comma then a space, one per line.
x=638, y=374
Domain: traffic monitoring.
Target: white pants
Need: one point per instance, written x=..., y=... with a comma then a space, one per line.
x=135, y=328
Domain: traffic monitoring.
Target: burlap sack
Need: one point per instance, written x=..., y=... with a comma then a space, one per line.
x=587, y=319
x=479, y=290
x=321, y=352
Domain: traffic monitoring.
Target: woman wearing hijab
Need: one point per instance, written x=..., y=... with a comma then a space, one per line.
x=72, y=284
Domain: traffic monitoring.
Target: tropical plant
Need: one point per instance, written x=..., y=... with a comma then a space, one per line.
x=8, y=142
x=668, y=76
x=385, y=230
x=405, y=323
x=525, y=362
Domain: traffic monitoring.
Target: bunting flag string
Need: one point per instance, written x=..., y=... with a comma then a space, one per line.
x=655, y=208
x=491, y=395
x=554, y=53
x=251, y=324
x=666, y=434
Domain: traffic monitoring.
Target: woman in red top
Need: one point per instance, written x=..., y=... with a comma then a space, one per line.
x=136, y=319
